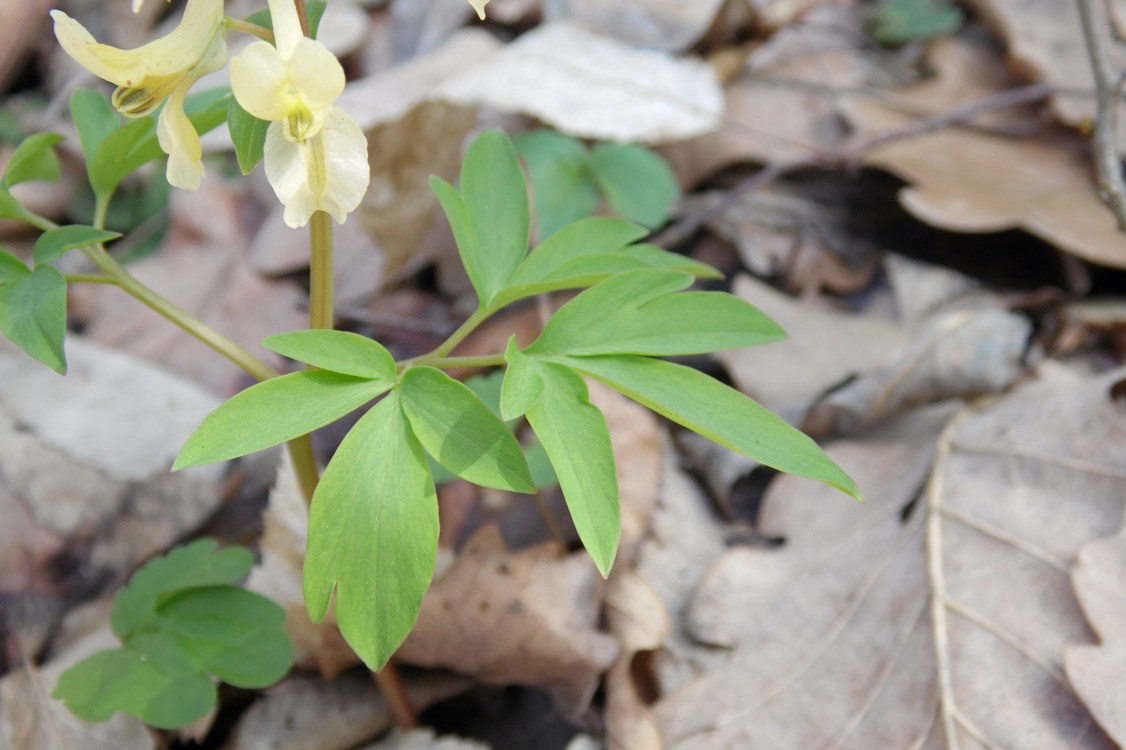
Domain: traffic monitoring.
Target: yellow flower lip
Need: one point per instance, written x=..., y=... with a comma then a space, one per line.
x=162, y=70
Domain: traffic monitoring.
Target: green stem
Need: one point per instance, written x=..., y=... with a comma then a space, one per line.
x=479, y=316
x=321, y=312
x=88, y=278
x=253, y=29
x=484, y=360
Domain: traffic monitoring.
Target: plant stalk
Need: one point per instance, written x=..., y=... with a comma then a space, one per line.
x=320, y=272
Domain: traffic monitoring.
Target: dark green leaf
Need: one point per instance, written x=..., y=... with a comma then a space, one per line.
x=638, y=183
x=94, y=118
x=373, y=534
x=575, y=436
x=899, y=21
x=12, y=268
x=53, y=243
x=33, y=315
x=248, y=133
x=718, y=412
x=338, y=351
x=195, y=565
x=562, y=183
x=34, y=159
x=640, y=312
x=460, y=431
x=274, y=411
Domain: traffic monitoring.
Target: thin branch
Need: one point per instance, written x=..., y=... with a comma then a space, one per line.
x=1112, y=187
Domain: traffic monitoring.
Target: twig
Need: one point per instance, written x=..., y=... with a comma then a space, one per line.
x=1112, y=187
x=849, y=157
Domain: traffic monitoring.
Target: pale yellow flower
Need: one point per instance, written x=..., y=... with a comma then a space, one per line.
x=479, y=6
x=162, y=70
x=315, y=154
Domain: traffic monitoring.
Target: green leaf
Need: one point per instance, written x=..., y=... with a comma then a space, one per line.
x=314, y=10
x=637, y=183
x=338, y=351
x=461, y=432
x=588, y=237
x=248, y=133
x=94, y=118
x=11, y=267
x=716, y=411
x=576, y=439
x=487, y=387
x=562, y=183
x=656, y=257
x=373, y=534
x=274, y=411
x=899, y=21
x=121, y=153
x=34, y=159
x=489, y=218
x=125, y=680
x=522, y=383
x=640, y=312
x=194, y=565
x=539, y=464
x=33, y=315
x=10, y=208
x=53, y=243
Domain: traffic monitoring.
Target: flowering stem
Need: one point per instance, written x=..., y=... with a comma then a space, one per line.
x=253, y=29
x=485, y=360
x=88, y=278
x=320, y=272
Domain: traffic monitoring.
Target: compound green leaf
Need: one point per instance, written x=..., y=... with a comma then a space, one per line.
x=373, y=534
x=11, y=267
x=195, y=565
x=562, y=184
x=641, y=312
x=716, y=411
x=274, y=411
x=34, y=159
x=460, y=431
x=33, y=314
x=637, y=183
x=54, y=243
x=339, y=351
x=575, y=437
x=522, y=383
x=248, y=134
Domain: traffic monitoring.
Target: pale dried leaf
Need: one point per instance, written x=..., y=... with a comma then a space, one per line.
x=834, y=635
x=1096, y=671
x=424, y=739
x=594, y=87
x=526, y=618
x=670, y=25
x=974, y=182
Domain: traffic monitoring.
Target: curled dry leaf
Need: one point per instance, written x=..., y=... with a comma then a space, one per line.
x=626, y=94
x=527, y=618
x=670, y=25
x=1096, y=671
x=941, y=622
x=969, y=181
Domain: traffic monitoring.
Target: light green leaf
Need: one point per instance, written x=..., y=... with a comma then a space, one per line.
x=10, y=208
x=121, y=153
x=593, y=236
x=640, y=312
x=460, y=431
x=716, y=411
x=487, y=387
x=543, y=474
x=562, y=183
x=33, y=315
x=339, y=351
x=194, y=565
x=373, y=534
x=34, y=159
x=125, y=680
x=637, y=183
x=248, y=133
x=575, y=436
x=11, y=267
x=53, y=243
x=94, y=118
x=522, y=383
x=274, y=411
x=656, y=257
x=496, y=204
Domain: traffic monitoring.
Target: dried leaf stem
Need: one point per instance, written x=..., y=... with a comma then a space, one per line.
x=1108, y=83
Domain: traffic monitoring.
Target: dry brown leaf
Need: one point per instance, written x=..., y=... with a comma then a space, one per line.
x=670, y=25
x=856, y=634
x=278, y=577
x=1045, y=38
x=824, y=347
x=594, y=87
x=1096, y=672
x=424, y=739
x=973, y=182
x=524, y=618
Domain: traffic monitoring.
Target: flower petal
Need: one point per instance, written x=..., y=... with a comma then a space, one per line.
x=259, y=81
x=179, y=139
x=287, y=26
x=121, y=67
x=316, y=73
x=347, y=171
x=479, y=6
